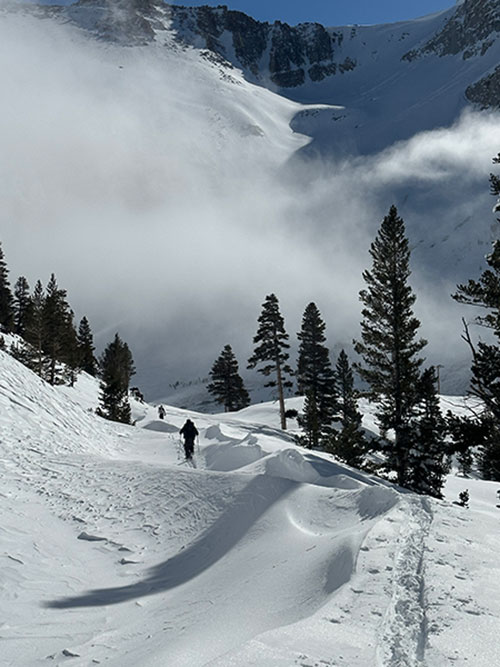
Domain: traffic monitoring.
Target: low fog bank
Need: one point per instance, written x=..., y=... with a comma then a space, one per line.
x=163, y=197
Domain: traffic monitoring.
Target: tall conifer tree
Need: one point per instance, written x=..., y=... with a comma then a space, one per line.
x=71, y=353
x=117, y=367
x=271, y=350
x=389, y=346
x=315, y=376
x=227, y=385
x=87, y=361
x=484, y=430
x=348, y=443
x=309, y=422
x=6, y=306
x=34, y=334
x=22, y=306
x=427, y=463
x=59, y=336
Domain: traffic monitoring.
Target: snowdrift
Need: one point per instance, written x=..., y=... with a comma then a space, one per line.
x=115, y=551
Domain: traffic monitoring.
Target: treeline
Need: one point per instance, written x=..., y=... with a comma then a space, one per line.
x=417, y=440
x=50, y=343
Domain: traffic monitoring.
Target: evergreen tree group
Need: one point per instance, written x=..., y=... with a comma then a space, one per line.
x=415, y=436
x=482, y=430
x=6, y=306
x=50, y=345
x=49, y=342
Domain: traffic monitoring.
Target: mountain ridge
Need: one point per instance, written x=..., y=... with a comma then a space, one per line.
x=288, y=58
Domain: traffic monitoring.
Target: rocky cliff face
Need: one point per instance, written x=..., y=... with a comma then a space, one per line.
x=470, y=31
x=486, y=92
x=129, y=22
x=288, y=57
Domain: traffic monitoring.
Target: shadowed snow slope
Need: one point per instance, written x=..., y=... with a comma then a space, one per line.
x=262, y=554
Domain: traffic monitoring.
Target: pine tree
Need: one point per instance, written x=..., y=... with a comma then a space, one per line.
x=315, y=376
x=349, y=444
x=309, y=422
x=22, y=306
x=389, y=347
x=34, y=335
x=59, y=337
x=87, y=361
x=463, y=498
x=485, y=383
x=6, y=306
x=427, y=464
x=465, y=433
x=117, y=367
x=271, y=350
x=227, y=385
x=488, y=453
x=71, y=352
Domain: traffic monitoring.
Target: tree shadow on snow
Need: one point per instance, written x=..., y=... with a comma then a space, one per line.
x=255, y=499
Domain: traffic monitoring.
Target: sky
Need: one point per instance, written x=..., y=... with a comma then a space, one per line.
x=332, y=12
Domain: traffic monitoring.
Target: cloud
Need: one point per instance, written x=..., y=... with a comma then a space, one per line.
x=164, y=199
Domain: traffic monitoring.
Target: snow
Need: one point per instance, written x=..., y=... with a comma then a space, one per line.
x=264, y=554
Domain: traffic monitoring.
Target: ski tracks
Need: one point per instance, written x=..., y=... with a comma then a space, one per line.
x=403, y=634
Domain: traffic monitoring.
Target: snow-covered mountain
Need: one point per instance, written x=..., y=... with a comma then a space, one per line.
x=113, y=553
x=159, y=160
x=428, y=69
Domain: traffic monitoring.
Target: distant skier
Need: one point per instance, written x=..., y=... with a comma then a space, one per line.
x=161, y=412
x=189, y=433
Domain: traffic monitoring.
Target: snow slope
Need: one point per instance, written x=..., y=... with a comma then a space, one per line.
x=264, y=554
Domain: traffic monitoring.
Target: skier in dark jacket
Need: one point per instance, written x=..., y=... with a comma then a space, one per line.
x=189, y=432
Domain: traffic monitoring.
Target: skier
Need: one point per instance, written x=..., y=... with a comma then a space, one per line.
x=161, y=412
x=189, y=432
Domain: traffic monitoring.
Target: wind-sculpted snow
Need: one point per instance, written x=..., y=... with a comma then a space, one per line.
x=114, y=551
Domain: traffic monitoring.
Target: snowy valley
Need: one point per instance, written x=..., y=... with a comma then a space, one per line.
x=264, y=554
x=172, y=166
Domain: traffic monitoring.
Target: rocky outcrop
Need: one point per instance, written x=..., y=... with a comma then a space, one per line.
x=471, y=31
x=486, y=92
x=287, y=55
x=129, y=22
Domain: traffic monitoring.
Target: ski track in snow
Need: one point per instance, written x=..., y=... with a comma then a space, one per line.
x=262, y=555
x=403, y=637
